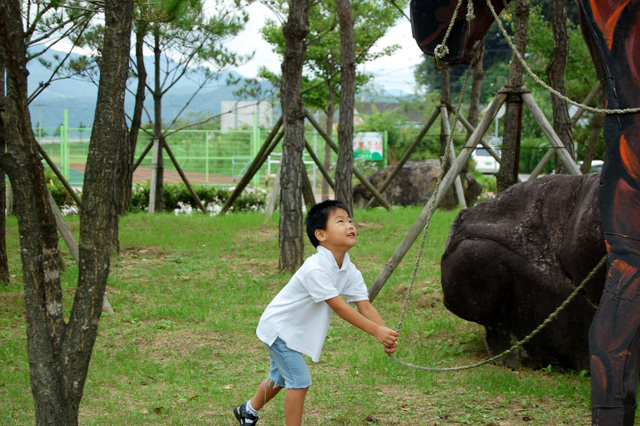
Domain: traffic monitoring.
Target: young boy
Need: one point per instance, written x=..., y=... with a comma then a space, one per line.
x=297, y=319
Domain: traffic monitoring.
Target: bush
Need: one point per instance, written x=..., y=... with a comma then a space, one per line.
x=175, y=196
x=59, y=193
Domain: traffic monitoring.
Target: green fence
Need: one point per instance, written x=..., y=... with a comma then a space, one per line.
x=209, y=157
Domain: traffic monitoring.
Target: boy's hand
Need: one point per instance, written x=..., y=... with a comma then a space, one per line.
x=389, y=338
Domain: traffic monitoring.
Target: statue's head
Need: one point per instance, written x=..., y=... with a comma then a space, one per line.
x=430, y=20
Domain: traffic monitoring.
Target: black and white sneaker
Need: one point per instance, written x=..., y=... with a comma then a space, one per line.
x=244, y=417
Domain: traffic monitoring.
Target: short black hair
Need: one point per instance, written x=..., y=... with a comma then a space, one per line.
x=318, y=216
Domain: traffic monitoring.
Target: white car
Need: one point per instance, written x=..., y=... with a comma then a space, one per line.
x=485, y=163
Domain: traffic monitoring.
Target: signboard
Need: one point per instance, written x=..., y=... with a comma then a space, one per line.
x=368, y=146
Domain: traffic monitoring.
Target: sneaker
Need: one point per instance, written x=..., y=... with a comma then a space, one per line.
x=243, y=416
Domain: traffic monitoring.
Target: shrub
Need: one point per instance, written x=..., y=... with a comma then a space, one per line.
x=175, y=196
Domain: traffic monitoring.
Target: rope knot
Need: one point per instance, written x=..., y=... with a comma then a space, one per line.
x=440, y=51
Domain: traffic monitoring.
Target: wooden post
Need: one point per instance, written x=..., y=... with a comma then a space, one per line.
x=154, y=175
x=316, y=160
x=66, y=184
x=547, y=129
x=422, y=220
x=184, y=178
x=269, y=145
x=273, y=198
x=538, y=169
x=144, y=154
x=446, y=129
x=356, y=172
x=471, y=129
x=405, y=157
x=71, y=243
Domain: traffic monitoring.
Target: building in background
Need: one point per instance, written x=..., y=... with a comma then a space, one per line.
x=239, y=114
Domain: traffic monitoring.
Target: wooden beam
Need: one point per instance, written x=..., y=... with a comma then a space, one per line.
x=184, y=177
x=269, y=145
x=406, y=156
x=424, y=217
x=547, y=129
x=356, y=172
x=71, y=243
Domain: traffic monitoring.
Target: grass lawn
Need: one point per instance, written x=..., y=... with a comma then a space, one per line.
x=181, y=348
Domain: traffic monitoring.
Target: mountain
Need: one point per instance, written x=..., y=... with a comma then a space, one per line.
x=78, y=96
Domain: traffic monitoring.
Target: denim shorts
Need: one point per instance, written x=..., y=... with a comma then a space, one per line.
x=288, y=367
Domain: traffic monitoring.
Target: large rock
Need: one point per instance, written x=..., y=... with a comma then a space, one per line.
x=414, y=184
x=511, y=261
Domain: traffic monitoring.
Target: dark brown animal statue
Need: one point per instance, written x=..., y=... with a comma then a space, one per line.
x=611, y=29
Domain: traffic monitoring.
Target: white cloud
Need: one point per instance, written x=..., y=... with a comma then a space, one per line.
x=391, y=73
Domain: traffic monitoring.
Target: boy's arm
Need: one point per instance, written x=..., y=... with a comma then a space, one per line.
x=372, y=324
x=366, y=308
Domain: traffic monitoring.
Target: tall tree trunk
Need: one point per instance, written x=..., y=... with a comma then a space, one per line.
x=476, y=91
x=597, y=125
x=124, y=171
x=445, y=97
x=4, y=262
x=157, y=120
x=508, y=172
x=344, y=168
x=555, y=71
x=474, y=95
x=329, y=129
x=59, y=353
x=291, y=233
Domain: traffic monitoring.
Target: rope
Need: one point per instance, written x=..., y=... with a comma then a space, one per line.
x=545, y=85
x=518, y=345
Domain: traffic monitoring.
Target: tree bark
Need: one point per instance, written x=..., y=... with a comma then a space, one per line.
x=4, y=262
x=157, y=121
x=474, y=95
x=329, y=128
x=476, y=91
x=124, y=169
x=295, y=32
x=445, y=97
x=508, y=173
x=555, y=72
x=59, y=353
x=597, y=125
x=344, y=168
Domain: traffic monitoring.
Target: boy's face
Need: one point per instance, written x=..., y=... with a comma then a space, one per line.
x=340, y=233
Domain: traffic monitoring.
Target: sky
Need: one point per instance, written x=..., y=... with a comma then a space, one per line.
x=391, y=73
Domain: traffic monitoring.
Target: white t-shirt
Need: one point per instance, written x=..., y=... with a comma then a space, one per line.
x=299, y=315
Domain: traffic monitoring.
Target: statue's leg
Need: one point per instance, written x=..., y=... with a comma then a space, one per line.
x=614, y=341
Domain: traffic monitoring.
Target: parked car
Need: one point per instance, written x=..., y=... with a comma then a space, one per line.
x=596, y=166
x=485, y=163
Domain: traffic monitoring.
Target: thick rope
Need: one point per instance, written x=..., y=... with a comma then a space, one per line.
x=522, y=342
x=545, y=85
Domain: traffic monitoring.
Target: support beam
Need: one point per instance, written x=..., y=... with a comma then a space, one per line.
x=538, y=169
x=316, y=160
x=547, y=129
x=446, y=130
x=362, y=178
x=144, y=154
x=424, y=216
x=154, y=175
x=405, y=157
x=71, y=243
x=184, y=177
x=269, y=145
x=64, y=182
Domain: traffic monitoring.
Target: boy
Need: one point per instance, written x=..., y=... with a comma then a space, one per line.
x=297, y=319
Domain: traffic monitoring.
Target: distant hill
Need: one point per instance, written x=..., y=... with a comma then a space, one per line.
x=78, y=96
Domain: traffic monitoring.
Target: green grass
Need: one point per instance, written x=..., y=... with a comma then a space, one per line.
x=181, y=347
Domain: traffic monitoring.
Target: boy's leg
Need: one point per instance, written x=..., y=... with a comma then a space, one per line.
x=294, y=406
x=265, y=392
